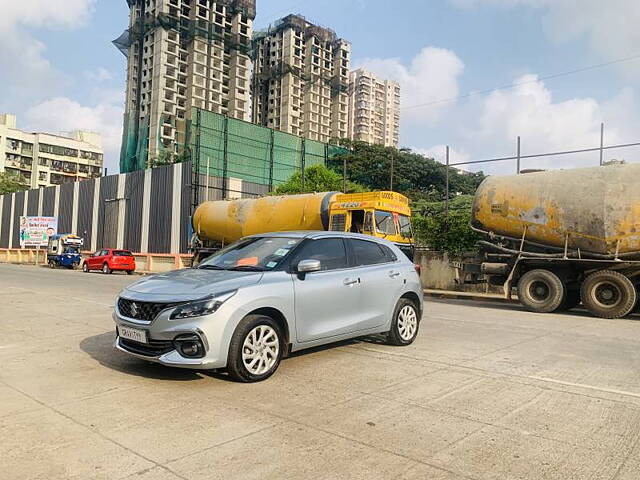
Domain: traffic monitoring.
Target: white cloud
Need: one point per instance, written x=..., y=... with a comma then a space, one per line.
x=98, y=76
x=432, y=75
x=61, y=114
x=439, y=153
x=488, y=125
x=611, y=27
x=23, y=66
x=44, y=13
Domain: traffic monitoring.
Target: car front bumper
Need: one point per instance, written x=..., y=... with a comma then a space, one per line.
x=163, y=331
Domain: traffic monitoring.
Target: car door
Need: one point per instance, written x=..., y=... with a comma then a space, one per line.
x=98, y=259
x=381, y=280
x=326, y=302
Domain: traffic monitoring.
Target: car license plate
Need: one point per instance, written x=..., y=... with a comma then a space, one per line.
x=134, y=334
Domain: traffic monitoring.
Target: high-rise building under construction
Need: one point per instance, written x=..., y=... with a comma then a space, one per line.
x=182, y=54
x=301, y=79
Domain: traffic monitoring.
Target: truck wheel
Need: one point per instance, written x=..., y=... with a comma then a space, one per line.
x=541, y=291
x=608, y=294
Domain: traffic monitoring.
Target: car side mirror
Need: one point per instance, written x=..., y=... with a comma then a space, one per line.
x=308, y=266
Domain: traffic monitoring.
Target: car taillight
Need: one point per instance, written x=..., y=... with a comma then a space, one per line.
x=418, y=268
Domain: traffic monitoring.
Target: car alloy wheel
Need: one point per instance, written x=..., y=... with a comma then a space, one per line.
x=260, y=350
x=85, y=268
x=407, y=322
x=106, y=269
x=256, y=348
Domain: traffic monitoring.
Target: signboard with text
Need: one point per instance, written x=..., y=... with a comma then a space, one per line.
x=35, y=231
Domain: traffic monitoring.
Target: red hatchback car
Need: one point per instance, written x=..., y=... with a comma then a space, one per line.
x=109, y=260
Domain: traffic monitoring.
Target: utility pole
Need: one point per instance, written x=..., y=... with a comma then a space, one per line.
x=344, y=174
x=518, y=165
x=392, y=172
x=602, y=144
x=446, y=199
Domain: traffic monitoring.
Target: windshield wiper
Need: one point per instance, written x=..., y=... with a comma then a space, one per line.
x=247, y=268
x=210, y=267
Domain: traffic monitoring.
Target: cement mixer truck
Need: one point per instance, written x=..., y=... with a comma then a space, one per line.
x=560, y=238
x=380, y=214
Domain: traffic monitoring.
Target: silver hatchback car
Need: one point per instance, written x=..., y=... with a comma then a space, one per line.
x=252, y=303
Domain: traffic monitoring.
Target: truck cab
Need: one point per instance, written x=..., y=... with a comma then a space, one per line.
x=379, y=214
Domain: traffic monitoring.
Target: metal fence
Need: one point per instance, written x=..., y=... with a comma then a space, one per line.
x=518, y=158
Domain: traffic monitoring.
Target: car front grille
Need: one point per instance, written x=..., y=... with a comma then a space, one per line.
x=154, y=348
x=145, y=311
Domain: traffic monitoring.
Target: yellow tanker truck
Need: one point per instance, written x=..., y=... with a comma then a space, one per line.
x=561, y=238
x=380, y=214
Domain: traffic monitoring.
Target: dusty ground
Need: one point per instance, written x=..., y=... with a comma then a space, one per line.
x=486, y=392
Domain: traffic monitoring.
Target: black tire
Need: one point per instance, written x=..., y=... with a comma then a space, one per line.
x=571, y=300
x=85, y=267
x=400, y=335
x=541, y=291
x=608, y=294
x=236, y=360
x=106, y=269
x=129, y=272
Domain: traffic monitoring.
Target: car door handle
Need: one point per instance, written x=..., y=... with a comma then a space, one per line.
x=350, y=281
x=393, y=274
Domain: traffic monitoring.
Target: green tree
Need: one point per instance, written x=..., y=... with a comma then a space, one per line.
x=166, y=157
x=445, y=233
x=414, y=175
x=10, y=183
x=317, y=178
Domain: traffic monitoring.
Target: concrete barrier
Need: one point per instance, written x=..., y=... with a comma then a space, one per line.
x=145, y=262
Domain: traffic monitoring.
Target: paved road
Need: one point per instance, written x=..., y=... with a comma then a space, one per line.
x=486, y=392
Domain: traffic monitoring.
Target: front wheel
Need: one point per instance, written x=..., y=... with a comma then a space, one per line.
x=106, y=269
x=255, y=350
x=85, y=267
x=608, y=294
x=405, y=324
x=541, y=291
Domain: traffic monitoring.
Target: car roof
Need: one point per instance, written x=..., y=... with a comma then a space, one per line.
x=321, y=234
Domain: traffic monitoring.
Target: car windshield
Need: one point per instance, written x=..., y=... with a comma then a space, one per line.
x=385, y=223
x=405, y=226
x=252, y=254
x=73, y=250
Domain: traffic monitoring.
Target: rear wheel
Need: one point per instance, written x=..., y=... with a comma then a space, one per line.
x=255, y=350
x=106, y=269
x=405, y=324
x=541, y=291
x=608, y=294
x=129, y=272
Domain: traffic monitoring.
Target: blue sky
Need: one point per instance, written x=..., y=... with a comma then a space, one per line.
x=59, y=71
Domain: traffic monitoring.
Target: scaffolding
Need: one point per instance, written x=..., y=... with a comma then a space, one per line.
x=275, y=72
x=135, y=140
x=228, y=148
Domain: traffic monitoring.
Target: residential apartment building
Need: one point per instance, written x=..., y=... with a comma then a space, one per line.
x=182, y=54
x=301, y=80
x=44, y=159
x=374, y=109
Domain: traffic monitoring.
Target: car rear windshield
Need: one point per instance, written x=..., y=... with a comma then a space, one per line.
x=255, y=253
x=122, y=253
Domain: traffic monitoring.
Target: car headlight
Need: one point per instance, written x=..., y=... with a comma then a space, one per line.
x=203, y=307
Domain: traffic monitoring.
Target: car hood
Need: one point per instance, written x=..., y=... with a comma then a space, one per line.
x=188, y=284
